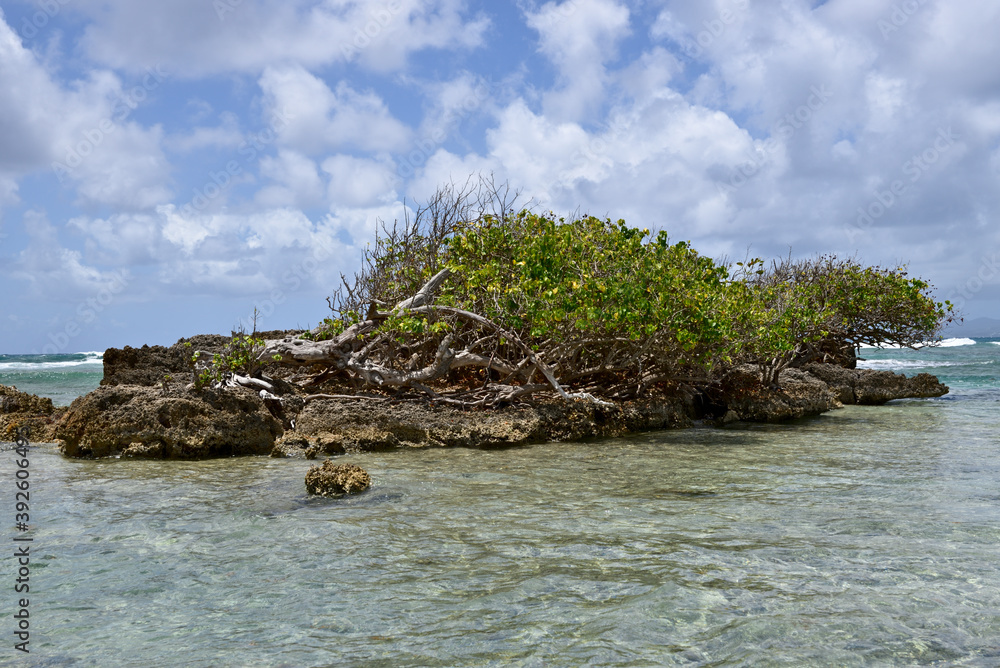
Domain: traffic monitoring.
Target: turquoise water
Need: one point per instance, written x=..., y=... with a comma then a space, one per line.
x=866, y=536
x=62, y=378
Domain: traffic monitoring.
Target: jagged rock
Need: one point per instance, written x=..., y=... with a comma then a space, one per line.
x=800, y=395
x=334, y=426
x=134, y=421
x=875, y=387
x=149, y=364
x=329, y=479
x=20, y=409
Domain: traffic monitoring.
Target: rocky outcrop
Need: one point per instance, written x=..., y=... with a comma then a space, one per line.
x=331, y=479
x=799, y=395
x=874, y=387
x=143, y=422
x=336, y=426
x=812, y=390
x=136, y=414
x=20, y=409
x=149, y=365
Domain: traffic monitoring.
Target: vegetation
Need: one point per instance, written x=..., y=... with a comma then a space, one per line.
x=474, y=300
x=241, y=358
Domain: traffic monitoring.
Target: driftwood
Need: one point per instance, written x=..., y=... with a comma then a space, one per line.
x=355, y=352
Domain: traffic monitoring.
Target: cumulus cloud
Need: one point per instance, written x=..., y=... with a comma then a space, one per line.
x=220, y=254
x=81, y=131
x=322, y=119
x=242, y=36
x=52, y=271
x=358, y=182
x=296, y=181
x=579, y=37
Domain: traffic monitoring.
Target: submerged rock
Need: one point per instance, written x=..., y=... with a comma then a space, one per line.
x=329, y=479
x=134, y=421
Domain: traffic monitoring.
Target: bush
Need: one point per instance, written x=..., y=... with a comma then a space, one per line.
x=476, y=301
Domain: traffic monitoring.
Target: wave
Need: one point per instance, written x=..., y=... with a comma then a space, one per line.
x=945, y=343
x=43, y=362
x=914, y=364
x=952, y=343
x=899, y=364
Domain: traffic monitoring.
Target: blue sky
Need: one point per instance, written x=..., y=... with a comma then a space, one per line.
x=167, y=167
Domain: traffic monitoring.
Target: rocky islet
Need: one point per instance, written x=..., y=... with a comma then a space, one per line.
x=147, y=407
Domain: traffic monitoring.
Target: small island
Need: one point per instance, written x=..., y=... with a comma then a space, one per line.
x=478, y=323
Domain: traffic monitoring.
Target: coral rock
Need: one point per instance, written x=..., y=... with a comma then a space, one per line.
x=331, y=479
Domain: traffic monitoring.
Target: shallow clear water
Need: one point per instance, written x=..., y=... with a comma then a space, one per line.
x=867, y=536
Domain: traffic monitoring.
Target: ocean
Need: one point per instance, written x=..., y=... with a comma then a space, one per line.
x=865, y=536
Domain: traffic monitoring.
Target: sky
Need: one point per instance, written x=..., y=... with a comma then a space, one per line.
x=167, y=167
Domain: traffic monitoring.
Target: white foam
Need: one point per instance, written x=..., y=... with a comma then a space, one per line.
x=915, y=364
x=952, y=343
x=946, y=343
x=28, y=366
x=90, y=359
x=897, y=364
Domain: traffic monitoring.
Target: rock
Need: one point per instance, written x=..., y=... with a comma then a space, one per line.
x=874, y=387
x=877, y=387
x=800, y=395
x=331, y=479
x=840, y=380
x=135, y=421
x=335, y=426
x=20, y=409
x=149, y=364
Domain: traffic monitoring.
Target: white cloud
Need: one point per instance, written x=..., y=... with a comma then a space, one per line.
x=198, y=38
x=296, y=181
x=321, y=119
x=225, y=135
x=82, y=131
x=51, y=271
x=358, y=182
x=579, y=37
x=219, y=254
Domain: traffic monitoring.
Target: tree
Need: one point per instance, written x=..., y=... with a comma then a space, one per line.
x=476, y=301
x=535, y=302
x=798, y=310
